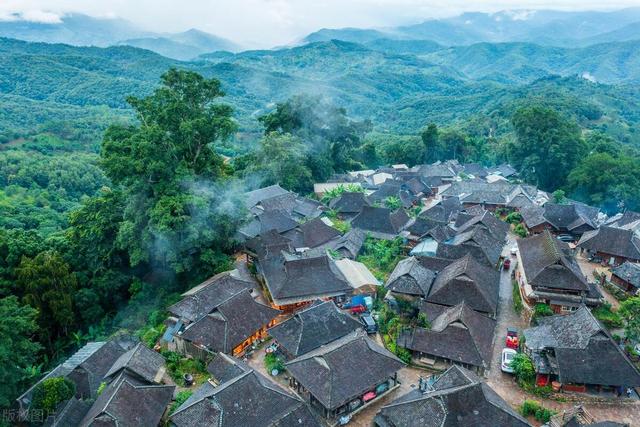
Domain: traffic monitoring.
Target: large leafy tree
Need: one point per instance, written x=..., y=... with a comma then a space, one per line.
x=547, y=146
x=49, y=286
x=18, y=349
x=331, y=137
x=177, y=214
x=630, y=312
x=280, y=159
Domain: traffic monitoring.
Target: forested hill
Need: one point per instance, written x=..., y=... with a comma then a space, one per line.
x=400, y=85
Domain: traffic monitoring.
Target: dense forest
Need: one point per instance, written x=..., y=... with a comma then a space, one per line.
x=119, y=191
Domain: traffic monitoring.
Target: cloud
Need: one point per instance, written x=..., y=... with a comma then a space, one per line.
x=31, y=15
x=265, y=23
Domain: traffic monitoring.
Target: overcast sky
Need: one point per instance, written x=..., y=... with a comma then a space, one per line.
x=273, y=22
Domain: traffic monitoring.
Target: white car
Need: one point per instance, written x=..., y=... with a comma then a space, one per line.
x=507, y=356
x=514, y=250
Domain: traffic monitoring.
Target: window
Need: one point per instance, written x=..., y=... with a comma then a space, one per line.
x=567, y=308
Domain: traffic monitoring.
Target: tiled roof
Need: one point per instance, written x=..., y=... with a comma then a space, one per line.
x=302, y=278
x=469, y=402
x=254, y=197
x=349, y=202
x=344, y=369
x=313, y=327
x=141, y=361
x=382, y=221
x=312, y=234
x=230, y=324
x=549, y=263
x=411, y=277
x=612, y=241
x=126, y=402
x=628, y=271
x=247, y=400
x=469, y=343
x=469, y=281
x=584, y=351
x=207, y=296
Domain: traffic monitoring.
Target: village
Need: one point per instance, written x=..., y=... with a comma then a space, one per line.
x=443, y=294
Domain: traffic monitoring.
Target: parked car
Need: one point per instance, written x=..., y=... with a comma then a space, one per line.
x=369, y=323
x=507, y=356
x=356, y=309
x=507, y=264
x=566, y=238
x=514, y=250
x=512, y=341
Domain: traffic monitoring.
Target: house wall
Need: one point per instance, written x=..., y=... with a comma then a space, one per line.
x=622, y=284
x=442, y=363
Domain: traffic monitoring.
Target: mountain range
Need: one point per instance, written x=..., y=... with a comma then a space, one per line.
x=83, y=30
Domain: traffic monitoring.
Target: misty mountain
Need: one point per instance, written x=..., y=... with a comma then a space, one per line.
x=551, y=28
x=83, y=30
x=183, y=46
x=59, y=83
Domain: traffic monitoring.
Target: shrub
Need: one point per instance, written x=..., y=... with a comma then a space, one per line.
x=517, y=298
x=523, y=369
x=271, y=362
x=542, y=310
x=50, y=392
x=520, y=231
x=403, y=354
x=514, y=218
x=423, y=322
x=101, y=388
x=181, y=397
x=392, y=203
x=177, y=366
x=535, y=409
x=605, y=314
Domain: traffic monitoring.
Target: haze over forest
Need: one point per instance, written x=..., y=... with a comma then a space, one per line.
x=125, y=230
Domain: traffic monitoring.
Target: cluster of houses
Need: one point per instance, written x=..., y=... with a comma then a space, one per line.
x=299, y=273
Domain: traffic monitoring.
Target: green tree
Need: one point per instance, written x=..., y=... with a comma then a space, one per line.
x=49, y=286
x=523, y=368
x=280, y=159
x=559, y=196
x=50, y=392
x=18, y=347
x=616, y=184
x=429, y=138
x=547, y=146
x=178, y=213
x=630, y=313
x=332, y=138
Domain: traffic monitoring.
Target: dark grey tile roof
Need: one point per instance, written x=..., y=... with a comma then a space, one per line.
x=444, y=211
x=628, y=271
x=141, y=361
x=269, y=244
x=295, y=279
x=570, y=216
x=311, y=234
x=418, y=227
x=437, y=170
x=475, y=169
x=206, y=297
x=469, y=344
x=612, y=241
x=411, y=277
x=504, y=169
x=473, y=404
x=285, y=202
x=344, y=369
x=381, y=221
x=584, y=350
x=231, y=323
x=249, y=400
x=125, y=402
x=548, y=262
x=533, y=215
x=349, y=202
x=476, y=241
x=308, y=208
x=348, y=245
x=87, y=367
x=498, y=193
x=69, y=414
x=469, y=281
x=254, y=197
x=313, y=327
x=416, y=186
x=623, y=220
x=224, y=368
x=497, y=229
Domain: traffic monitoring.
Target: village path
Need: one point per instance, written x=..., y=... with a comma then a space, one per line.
x=505, y=385
x=588, y=268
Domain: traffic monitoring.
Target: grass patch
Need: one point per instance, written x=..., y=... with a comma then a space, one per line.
x=517, y=298
x=381, y=256
x=271, y=362
x=181, y=397
x=178, y=365
x=535, y=409
x=610, y=318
